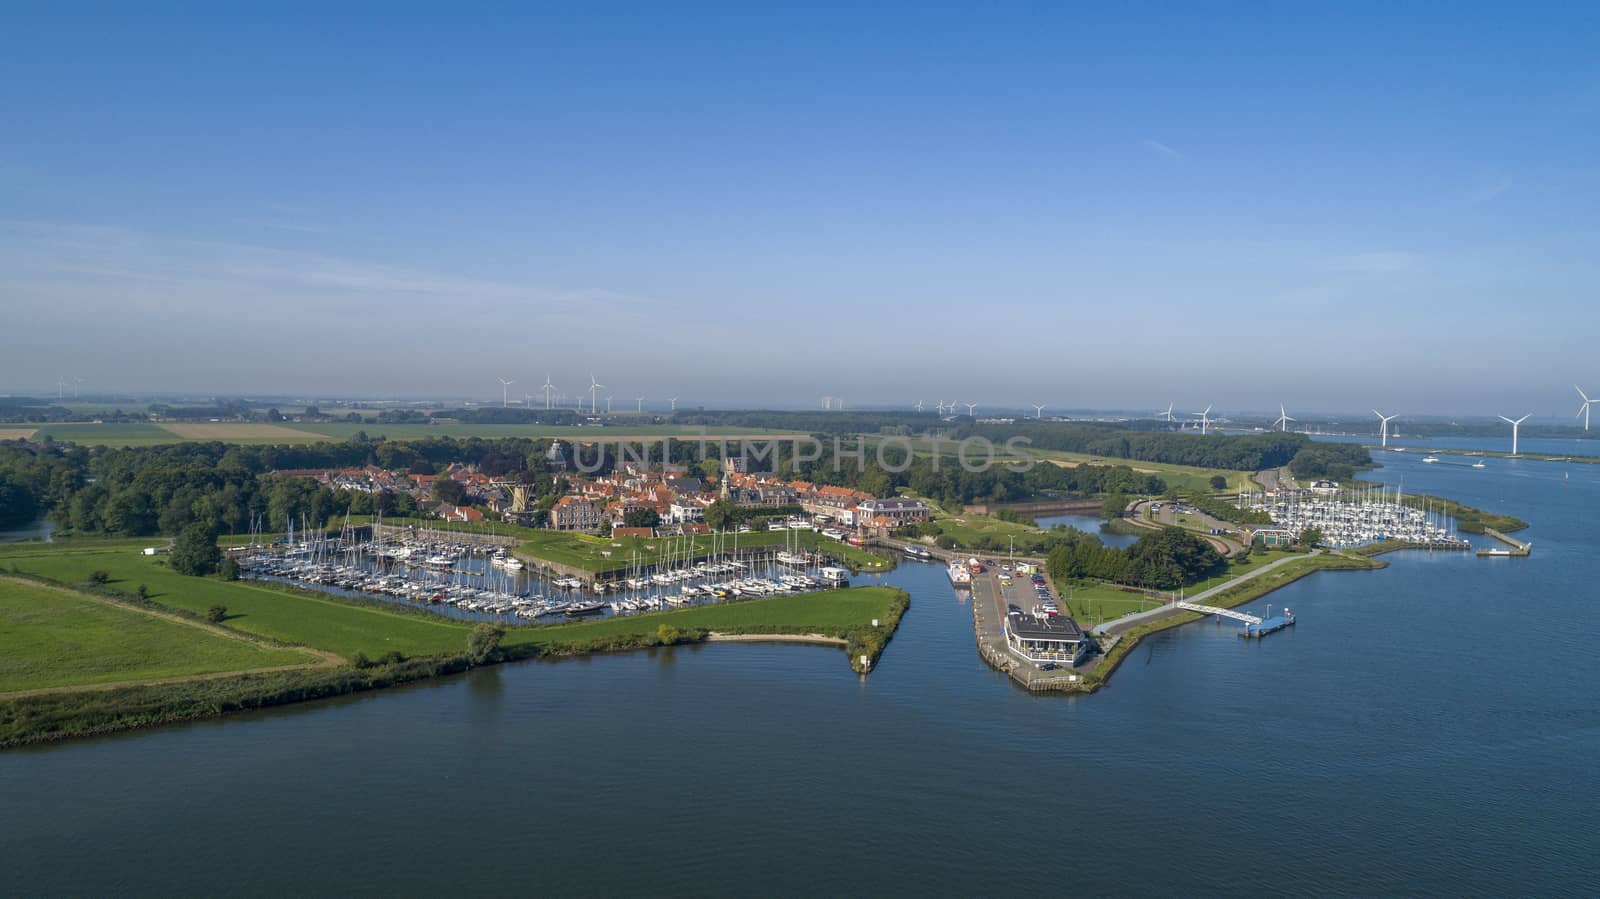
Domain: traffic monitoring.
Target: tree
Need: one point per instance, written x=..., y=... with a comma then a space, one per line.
x=216, y=613
x=1310, y=537
x=195, y=552
x=1113, y=506
x=99, y=578
x=449, y=490
x=229, y=569
x=1218, y=482
x=641, y=518
x=719, y=515
x=482, y=642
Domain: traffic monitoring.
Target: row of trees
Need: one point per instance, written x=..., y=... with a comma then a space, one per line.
x=1249, y=452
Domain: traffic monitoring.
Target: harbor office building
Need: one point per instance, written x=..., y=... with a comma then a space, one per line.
x=1049, y=639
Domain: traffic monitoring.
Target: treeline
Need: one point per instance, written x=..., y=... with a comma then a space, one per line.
x=1250, y=452
x=1164, y=560
x=138, y=491
x=1334, y=461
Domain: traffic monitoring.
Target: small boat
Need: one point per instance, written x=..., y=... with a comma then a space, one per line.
x=1430, y=459
x=584, y=608
x=1479, y=465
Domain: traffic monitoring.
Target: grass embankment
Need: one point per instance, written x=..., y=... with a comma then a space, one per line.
x=1250, y=590
x=50, y=637
x=412, y=643
x=277, y=613
x=840, y=614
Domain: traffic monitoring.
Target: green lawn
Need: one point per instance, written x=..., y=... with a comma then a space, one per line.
x=829, y=612
x=51, y=638
x=1091, y=602
x=327, y=624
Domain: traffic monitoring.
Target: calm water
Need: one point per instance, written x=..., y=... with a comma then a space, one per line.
x=39, y=530
x=1432, y=728
x=1089, y=524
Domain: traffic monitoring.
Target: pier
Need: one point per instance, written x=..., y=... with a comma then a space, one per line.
x=1250, y=620
x=1518, y=550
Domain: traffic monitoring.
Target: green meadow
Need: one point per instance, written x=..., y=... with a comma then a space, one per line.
x=51, y=637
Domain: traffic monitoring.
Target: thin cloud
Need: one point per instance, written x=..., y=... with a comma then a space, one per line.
x=1161, y=149
x=1486, y=192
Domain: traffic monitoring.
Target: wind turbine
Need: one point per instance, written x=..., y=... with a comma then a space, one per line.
x=919, y=405
x=970, y=407
x=594, y=387
x=1583, y=410
x=1385, y=427
x=674, y=401
x=77, y=381
x=548, y=389
x=505, y=396
x=638, y=404
x=1205, y=420
x=1167, y=414
x=1283, y=419
x=1515, y=425
x=1038, y=410
x=608, y=404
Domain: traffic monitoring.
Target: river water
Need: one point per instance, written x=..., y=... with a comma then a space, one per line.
x=1431, y=728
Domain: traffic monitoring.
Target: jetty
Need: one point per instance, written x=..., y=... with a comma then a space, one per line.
x=1518, y=550
x=1249, y=620
x=1271, y=624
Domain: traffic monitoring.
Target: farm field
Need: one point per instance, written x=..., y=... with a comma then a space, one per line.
x=237, y=431
x=118, y=433
x=56, y=638
x=140, y=433
x=15, y=433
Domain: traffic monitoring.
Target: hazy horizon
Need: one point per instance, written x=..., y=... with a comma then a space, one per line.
x=1086, y=208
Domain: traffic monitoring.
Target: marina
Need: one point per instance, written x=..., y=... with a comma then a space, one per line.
x=1352, y=517
x=476, y=581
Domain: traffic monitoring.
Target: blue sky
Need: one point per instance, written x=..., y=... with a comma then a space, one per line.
x=1109, y=207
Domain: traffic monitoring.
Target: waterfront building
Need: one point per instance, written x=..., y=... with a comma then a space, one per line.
x=1050, y=639
x=892, y=512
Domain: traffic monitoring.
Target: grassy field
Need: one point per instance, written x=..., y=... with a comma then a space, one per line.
x=828, y=613
x=968, y=528
x=255, y=608
x=1091, y=602
x=55, y=638
x=1180, y=477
